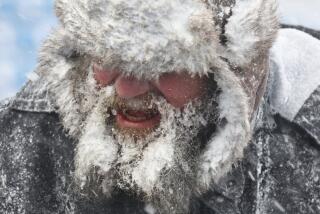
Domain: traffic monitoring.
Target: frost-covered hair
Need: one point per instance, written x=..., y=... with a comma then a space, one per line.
x=108, y=159
x=145, y=38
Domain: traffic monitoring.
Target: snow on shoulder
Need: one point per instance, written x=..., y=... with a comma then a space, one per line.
x=295, y=60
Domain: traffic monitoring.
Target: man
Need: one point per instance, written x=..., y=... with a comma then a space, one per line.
x=166, y=107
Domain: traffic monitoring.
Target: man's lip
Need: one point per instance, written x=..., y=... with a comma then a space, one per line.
x=124, y=122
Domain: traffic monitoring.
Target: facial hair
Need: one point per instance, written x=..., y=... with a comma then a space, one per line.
x=160, y=168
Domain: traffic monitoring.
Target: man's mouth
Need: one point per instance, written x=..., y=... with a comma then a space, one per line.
x=137, y=119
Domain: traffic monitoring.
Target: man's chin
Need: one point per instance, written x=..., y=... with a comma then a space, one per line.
x=134, y=132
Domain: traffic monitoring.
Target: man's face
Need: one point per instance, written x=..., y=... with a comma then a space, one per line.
x=178, y=89
x=143, y=136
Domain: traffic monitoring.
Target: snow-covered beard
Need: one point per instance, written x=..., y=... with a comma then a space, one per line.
x=161, y=167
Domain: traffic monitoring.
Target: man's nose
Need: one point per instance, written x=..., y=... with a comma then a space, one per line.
x=129, y=87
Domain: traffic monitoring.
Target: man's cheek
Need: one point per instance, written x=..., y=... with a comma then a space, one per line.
x=104, y=77
x=179, y=89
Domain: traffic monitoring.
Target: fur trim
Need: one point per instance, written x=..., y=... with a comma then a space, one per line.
x=148, y=37
x=226, y=147
x=250, y=30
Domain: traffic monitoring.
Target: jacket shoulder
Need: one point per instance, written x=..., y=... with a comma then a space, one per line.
x=294, y=87
x=295, y=71
x=308, y=116
x=287, y=166
x=33, y=150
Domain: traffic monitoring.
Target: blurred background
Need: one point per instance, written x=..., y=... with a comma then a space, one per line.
x=25, y=23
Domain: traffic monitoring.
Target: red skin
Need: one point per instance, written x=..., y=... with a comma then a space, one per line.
x=177, y=88
x=103, y=77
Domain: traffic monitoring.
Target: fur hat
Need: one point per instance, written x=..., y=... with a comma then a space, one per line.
x=145, y=38
x=152, y=37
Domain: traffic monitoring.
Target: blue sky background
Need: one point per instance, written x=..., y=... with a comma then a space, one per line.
x=25, y=23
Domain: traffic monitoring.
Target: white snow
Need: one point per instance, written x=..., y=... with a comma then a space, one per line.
x=279, y=206
x=149, y=209
x=157, y=157
x=33, y=76
x=251, y=176
x=297, y=57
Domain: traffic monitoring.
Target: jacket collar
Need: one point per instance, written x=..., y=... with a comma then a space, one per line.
x=294, y=90
x=33, y=97
x=305, y=115
x=308, y=116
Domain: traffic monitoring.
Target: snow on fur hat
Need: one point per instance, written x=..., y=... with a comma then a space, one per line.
x=145, y=38
x=151, y=37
